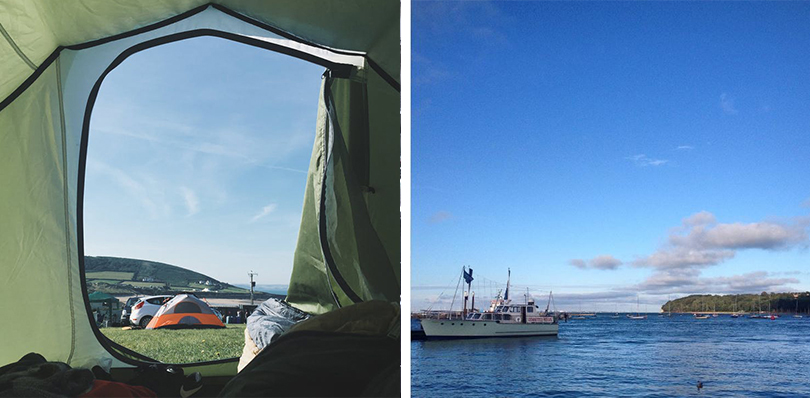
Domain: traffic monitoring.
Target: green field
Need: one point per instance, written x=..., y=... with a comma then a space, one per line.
x=234, y=290
x=182, y=345
x=144, y=284
x=116, y=275
x=107, y=281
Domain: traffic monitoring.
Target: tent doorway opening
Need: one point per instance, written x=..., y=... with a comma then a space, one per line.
x=196, y=166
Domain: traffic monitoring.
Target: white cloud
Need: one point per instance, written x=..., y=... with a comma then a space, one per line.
x=644, y=161
x=702, y=242
x=705, y=235
x=700, y=218
x=440, y=216
x=685, y=147
x=727, y=104
x=603, y=262
x=690, y=282
x=192, y=202
x=683, y=257
x=135, y=189
x=264, y=212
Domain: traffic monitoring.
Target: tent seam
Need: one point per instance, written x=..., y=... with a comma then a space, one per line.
x=65, y=202
x=16, y=48
x=332, y=129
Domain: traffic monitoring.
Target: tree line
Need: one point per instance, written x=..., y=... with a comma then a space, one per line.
x=775, y=302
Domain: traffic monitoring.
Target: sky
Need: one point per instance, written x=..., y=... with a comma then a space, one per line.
x=615, y=153
x=197, y=157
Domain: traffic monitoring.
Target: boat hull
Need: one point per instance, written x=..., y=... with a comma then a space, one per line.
x=458, y=329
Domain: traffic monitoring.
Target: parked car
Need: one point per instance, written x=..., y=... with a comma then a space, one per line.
x=218, y=314
x=146, y=308
x=128, y=310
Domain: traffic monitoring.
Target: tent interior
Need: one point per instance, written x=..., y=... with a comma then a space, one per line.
x=54, y=57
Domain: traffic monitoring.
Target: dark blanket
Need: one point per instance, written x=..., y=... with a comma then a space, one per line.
x=321, y=364
x=350, y=352
x=34, y=376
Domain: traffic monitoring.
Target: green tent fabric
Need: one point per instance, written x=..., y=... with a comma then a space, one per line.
x=54, y=56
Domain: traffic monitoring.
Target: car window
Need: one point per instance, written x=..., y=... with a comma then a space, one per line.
x=155, y=301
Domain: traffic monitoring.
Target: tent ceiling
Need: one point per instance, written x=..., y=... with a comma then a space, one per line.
x=32, y=30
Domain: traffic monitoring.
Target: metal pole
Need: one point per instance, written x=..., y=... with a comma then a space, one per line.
x=252, y=274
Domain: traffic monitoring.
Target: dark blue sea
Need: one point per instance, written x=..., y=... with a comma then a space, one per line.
x=605, y=357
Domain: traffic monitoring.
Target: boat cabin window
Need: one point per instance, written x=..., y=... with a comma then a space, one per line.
x=487, y=316
x=507, y=317
x=529, y=309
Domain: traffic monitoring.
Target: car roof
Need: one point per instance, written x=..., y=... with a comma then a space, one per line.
x=151, y=297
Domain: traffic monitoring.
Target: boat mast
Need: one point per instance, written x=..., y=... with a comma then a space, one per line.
x=508, y=278
x=467, y=278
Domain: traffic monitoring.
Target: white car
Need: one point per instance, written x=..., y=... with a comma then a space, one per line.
x=145, y=309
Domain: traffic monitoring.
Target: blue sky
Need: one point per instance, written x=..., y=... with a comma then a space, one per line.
x=197, y=157
x=608, y=150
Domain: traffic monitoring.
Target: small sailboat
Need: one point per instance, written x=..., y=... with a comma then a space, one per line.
x=735, y=314
x=702, y=315
x=637, y=315
x=797, y=316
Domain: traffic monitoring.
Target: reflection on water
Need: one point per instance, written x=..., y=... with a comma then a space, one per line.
x=656, y=357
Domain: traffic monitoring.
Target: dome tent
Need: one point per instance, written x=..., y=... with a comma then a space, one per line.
x=54, y=57
x=185, y=311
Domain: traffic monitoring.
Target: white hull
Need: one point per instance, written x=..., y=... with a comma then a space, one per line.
x=456, y=328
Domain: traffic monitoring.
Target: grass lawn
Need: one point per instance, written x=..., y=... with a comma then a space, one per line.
x=107, y=281
x=182, y=345
x=122, y=276
x=144, y=284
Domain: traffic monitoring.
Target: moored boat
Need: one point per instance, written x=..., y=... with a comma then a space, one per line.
x=503, y=319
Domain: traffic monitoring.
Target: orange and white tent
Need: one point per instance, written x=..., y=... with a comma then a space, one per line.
x=185, y=311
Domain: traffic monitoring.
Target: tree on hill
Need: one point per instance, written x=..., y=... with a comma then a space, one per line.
x=778, y=302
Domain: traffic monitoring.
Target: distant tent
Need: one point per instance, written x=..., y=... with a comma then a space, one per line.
x=54, y=57
x=100, y=296
x=104, y=298
x=185, y=311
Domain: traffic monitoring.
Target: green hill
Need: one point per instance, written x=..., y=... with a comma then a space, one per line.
x=115, y=275
x=779, y=302
x=141, y=270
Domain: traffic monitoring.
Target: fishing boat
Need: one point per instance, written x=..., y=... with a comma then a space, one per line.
x=503, y=319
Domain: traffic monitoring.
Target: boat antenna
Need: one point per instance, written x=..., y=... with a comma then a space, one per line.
x=506, y=294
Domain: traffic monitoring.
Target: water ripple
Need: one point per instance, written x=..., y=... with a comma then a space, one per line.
x=657, y=357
